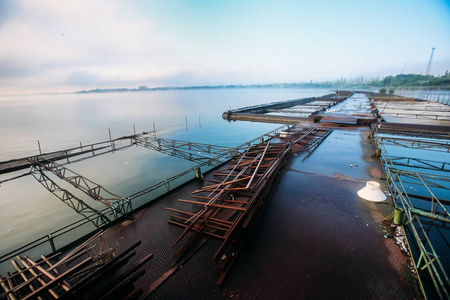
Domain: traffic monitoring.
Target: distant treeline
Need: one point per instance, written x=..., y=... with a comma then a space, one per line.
x=411, y=80
x=402, y=80
x=202, y=87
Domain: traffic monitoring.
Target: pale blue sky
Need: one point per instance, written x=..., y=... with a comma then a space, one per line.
x=61, y=45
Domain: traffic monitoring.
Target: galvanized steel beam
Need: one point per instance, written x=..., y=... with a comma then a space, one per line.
x=119, y=205
x=428, y=258
x=79, y=206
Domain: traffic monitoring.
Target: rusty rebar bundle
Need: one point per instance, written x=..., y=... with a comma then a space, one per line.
x=230, y=204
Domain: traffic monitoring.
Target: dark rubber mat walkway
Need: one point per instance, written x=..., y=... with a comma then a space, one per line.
x=315, y=239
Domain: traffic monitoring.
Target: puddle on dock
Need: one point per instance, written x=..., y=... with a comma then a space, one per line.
x=357, y=104
x=340, y=155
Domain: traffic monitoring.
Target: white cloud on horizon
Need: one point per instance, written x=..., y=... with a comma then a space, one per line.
x=61, y=45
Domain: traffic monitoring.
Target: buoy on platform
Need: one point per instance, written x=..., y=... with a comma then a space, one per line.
x=372, y=192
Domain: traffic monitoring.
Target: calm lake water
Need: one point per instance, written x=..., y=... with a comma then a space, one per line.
x=28, y=211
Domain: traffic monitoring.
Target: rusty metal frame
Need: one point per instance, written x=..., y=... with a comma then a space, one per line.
x=123, y=206
x=119, y=205
x=79, y=206
x=186, y=150
x=427, y=164
x=417, y=107
x=416, y=143
x=418, y=116
x=392, y=128
x=228, y=206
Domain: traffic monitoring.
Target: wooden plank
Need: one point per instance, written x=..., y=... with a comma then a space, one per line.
x=58, y=279
x=80, y=247
x=40, y=280
x=113, y=265
x=9, y=280
x=27, y=281
x=206, y=232
x=45, y=259
x=209, y=220
x=45, y=272
x=114, y=289
x=7, y=289
x=23, y=270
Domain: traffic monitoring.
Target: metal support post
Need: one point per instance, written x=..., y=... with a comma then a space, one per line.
x=52, y=243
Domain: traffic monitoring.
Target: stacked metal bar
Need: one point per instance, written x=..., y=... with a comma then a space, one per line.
x=230, y=203
x=88, y=278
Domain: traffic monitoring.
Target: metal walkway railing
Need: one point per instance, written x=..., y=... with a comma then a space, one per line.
x=98, y=217
x=419, y=220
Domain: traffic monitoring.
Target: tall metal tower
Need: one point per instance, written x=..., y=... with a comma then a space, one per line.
x=429, y=62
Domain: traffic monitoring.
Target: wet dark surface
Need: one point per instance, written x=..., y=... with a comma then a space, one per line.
x=315, y=239
x=341, y=153
x=321, y=243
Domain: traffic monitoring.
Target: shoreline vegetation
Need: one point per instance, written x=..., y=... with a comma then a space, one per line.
x=398, y=82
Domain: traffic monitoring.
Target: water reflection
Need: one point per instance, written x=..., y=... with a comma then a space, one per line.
x=29, y=211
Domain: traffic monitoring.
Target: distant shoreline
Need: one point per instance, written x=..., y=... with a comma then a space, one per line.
x=263, y=86
x=409, y=82
x=212, y=87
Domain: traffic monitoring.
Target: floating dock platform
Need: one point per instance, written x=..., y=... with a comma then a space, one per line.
x=326, y=109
